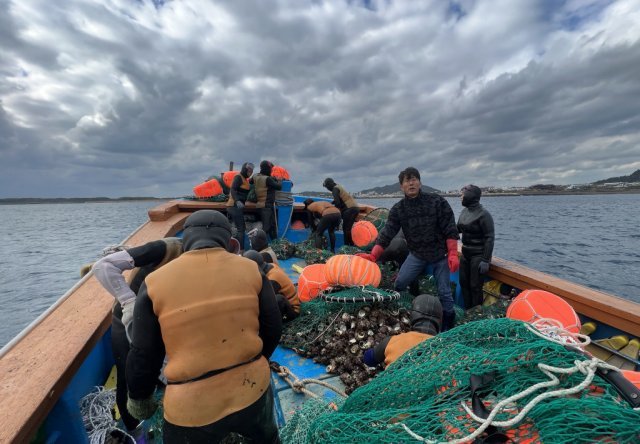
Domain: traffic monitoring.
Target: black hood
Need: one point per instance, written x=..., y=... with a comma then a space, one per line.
x=257, y=258
x=206, y=229
x=471, y=195
x=245, y=169
x=258, y=239
x=266, y=167
x=426, y=314
x=329, y=184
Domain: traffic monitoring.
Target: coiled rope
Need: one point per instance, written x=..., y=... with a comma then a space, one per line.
x=298, y=385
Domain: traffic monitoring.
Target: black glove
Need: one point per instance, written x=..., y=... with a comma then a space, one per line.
x=483, y=267
x=142, y=408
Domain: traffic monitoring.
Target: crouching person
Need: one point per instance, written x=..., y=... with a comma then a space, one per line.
x=217, y=318
x=426, y=322
x=286, y=293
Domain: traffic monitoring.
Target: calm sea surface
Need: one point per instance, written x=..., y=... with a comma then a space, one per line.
x=593, y=240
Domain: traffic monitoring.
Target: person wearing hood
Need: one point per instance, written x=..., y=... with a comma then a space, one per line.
x=259, y=242
x=329, y=220
x=429, y=227
x=238, y=193
x=266, y=187
x=109, y=272
x=215, y=316
x=286, y=293
x=476, y=226
x=426, y=321
x=346, y=204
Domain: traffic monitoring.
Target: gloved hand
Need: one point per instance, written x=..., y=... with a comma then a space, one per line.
x=375, y=254
x=483, y=267
x=127, y=317
x=239, y=204
x=452, y=255
x=369, y=358
x=142, y=408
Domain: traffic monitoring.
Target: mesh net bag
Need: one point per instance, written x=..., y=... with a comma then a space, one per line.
x=378, y=217
x=422, y=396
x=283, y=248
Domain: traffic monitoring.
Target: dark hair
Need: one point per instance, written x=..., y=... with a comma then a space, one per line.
x=308, y=202
x=408, y=173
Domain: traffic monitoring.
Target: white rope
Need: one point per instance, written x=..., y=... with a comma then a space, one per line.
x=588, y=368
x=553, y=330
x=95, y=409
x=298, y=385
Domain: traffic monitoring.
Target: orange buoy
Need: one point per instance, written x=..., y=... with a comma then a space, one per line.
x=297, y=225
x=350, y=271
x=227, y=177
x=311, y=281
x=280, y=173
x=531, y=305
x=363, y=233
x=207, y=189
x=632, y=376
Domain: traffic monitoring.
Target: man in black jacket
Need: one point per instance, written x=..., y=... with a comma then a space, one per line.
x=216, y=317
x=476, y=226
x=429, y=228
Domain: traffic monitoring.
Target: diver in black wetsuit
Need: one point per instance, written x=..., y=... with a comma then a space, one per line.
x=346, y=204
x=476, y=226
x=239, y=191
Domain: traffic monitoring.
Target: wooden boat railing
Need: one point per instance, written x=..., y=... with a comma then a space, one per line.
x=37, y=369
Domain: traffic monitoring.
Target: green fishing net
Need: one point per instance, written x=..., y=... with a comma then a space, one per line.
x=378, y=217
x=420, y=397
x=283, y=248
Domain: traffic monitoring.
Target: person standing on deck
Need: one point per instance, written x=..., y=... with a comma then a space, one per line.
x=429, y=227
x=329, y=221
x=216, y=317
x=238, y=193
x=346, y=204
x=266, y=187
x=108, y=271
x=476, y=226
x=426, y=320
x=283, y=287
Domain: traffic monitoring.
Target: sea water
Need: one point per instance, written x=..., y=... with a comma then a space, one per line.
x=593, y=240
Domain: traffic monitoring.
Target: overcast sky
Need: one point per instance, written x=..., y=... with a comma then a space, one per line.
x=141, y=98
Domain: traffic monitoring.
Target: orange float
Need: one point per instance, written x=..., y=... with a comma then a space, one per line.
x=350, y=271
x=207, y=189
x=531, y=305
x=227, y=177
x=311, y=282
x=363, y=233
x=297, y=225
x=280, y=173
x=632, y=376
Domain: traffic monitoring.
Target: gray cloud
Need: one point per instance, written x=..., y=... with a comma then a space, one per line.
x=142, y=98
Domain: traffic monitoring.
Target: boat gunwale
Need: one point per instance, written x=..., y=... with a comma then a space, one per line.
x=25, y=411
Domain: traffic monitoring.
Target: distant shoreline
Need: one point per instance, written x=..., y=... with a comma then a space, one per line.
x=67, y=200
x=522, y=193
x=80, y=200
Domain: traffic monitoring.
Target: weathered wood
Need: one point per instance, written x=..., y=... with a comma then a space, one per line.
x=603, y=307
x=35, y=372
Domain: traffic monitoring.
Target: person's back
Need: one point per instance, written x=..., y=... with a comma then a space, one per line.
x=216, y=317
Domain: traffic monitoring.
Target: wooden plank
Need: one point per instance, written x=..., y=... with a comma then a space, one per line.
x=35, y=372
x=601, y=306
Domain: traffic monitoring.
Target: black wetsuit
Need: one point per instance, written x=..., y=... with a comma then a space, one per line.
x=476, y=226
x=146, y=257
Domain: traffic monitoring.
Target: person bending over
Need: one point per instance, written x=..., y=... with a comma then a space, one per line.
x=346, y=204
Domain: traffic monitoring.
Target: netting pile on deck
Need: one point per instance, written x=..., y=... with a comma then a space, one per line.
x=420, y=397
x=336, y=334
x=378, y=217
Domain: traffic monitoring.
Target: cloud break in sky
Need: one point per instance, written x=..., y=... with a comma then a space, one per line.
x=140, y=98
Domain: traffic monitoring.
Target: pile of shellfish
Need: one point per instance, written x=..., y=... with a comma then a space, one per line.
x=341, y=340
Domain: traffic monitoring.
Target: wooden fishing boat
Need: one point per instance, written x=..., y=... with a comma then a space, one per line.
x=59, y=358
